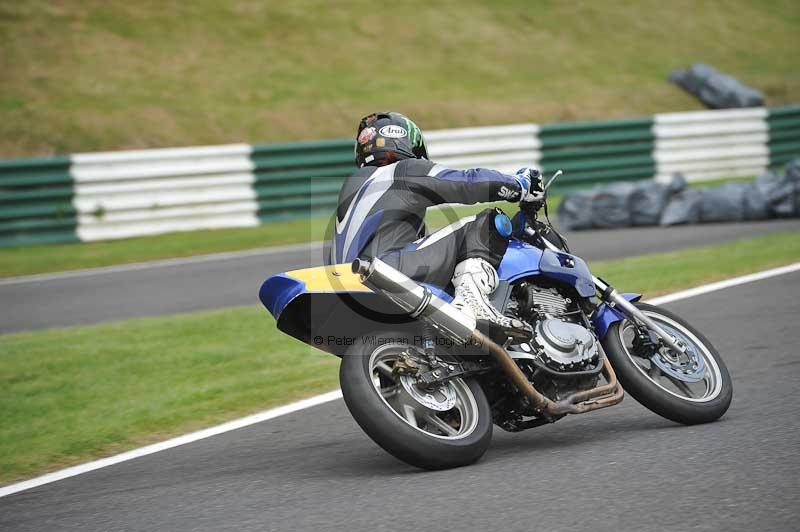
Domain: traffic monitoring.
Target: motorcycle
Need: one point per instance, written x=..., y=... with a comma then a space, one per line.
x=427, y=382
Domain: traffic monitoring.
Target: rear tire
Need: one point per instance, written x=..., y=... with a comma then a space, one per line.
x=633, y=375
x=396, y=435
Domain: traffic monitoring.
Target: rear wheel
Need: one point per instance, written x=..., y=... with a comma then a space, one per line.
x=689, y=388
x=449, y=426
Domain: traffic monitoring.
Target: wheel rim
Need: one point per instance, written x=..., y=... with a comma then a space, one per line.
x=454, y=423
x=703, y=390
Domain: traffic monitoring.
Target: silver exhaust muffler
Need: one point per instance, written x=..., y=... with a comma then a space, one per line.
x=415, y=299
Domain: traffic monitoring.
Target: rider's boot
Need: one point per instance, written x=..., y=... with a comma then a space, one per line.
x=474, y=279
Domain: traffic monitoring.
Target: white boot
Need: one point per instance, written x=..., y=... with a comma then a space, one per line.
x=474, y=279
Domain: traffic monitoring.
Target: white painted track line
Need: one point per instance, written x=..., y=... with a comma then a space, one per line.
x=727, y=283
x=169, y=444
x=327, y=397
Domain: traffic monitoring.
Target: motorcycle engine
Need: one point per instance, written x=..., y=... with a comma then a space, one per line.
x=564, y=345
x=561, y=340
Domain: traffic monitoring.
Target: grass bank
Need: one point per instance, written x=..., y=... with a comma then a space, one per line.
x=70, y=395
x=93, y=75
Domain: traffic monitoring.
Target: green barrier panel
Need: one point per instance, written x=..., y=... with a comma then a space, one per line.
x=784, y=122
x=50, y=193
x=301, y=179
x=781, y=135
x=24, y=238
x=318, y=187
x=293, y=208
x=779, y=161
x=636, y=135
x=597, y=125
x=597, y=152
x=35, y=224
x=299, y=160
x=322, y=211
x=298, y=202
x=304, y=146
x=33, y=171
x=781, y=153
x=785, y=147
x=41, y=209
x=302, y=154
x=335, y=171
x=44, y=179
x=784, y=134
x=597, y=164
x=36, y=202
x=587, y=134
x=788, y=110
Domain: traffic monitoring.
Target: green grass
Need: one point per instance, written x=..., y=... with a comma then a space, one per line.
x=661, y=273
x=26, y=260
x=70, y=395
x=93, y=75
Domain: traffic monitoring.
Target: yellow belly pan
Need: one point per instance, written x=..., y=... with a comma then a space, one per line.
x=336, y=278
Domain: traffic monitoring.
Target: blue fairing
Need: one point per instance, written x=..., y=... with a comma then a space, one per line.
x=278, y=291
x=605, y=316
x=522, y=260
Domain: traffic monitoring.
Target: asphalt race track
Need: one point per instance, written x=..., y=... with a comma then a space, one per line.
x=618, y=469
x=222, y=282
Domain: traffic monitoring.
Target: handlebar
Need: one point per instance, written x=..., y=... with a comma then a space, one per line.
x=541, y=236
x=530, y=211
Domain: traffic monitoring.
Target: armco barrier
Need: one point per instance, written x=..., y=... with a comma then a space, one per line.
x=504, y=148
x=711, y=144
x=98, y=196
x=299, y=179
x=784, y=134
x=122, y=194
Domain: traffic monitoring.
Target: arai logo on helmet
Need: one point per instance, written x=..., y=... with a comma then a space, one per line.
x=393, y=132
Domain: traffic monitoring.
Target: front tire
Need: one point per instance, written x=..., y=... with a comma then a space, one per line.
x=656, y=384
x=385, y=408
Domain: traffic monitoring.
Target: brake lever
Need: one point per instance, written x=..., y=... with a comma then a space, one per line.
x=552, y=180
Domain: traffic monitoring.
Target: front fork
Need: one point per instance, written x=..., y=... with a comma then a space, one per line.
x=610, y=296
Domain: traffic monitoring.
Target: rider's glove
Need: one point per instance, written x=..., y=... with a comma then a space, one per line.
x=530, y=181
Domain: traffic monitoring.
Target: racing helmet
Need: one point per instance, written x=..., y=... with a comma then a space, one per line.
x=387, y=137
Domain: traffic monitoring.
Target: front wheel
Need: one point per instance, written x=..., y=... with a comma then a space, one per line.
x=691, y=388
x=432, y=429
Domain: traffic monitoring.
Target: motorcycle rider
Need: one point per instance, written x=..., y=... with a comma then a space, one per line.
x=382, y=209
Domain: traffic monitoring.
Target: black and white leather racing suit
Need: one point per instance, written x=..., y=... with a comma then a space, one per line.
x=382, y=209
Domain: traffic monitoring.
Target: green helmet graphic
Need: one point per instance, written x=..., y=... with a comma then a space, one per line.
x=388, y=137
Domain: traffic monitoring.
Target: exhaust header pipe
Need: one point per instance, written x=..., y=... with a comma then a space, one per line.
x=421, y=303
x=415, y=299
